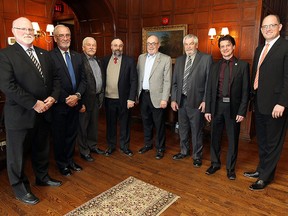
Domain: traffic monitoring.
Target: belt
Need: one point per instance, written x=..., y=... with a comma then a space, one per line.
x=145, y=90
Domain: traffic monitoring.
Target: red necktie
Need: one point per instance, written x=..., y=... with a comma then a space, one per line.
x=115, y=60
x=259, y=64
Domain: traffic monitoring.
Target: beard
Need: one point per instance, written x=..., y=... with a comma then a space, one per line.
x=117, y=53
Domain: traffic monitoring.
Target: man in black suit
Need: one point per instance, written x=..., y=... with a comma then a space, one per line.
x=120, y=84
x=31, y=87
x=188, y=97
x=270, y=90
x=69, y=66
x=92, y=101
x=226, y=104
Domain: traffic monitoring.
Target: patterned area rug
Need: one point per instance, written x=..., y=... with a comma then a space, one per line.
x=130, y=197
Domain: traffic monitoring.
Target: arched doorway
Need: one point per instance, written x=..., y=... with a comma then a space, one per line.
x=90, y=18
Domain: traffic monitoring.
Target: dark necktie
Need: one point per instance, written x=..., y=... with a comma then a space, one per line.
x=186, y=75
x=71, y=70
x=225, y=89
x=115, y=60
x=35, y=61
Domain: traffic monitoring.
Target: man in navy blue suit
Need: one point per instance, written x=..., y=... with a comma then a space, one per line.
x=70, y=69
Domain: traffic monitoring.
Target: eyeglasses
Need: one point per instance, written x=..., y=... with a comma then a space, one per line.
x=271, y=26
x=63, y=35
x=24, y=29
x=151, y=44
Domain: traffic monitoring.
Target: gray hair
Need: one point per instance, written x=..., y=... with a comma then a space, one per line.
x=86, y=39
x=191, y=36
x=56, y=29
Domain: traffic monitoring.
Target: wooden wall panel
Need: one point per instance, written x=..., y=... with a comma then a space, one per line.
x=35, y=8
x=11, y=7
x=166, y=5
x=247, y=47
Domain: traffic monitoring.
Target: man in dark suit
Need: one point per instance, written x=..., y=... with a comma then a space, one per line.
x=120, y=84
x=155, y=73
x=188, y=97
x=226, y=104
x=69, y=66
x=31, y=87
x=92, y=101
x=270, y=90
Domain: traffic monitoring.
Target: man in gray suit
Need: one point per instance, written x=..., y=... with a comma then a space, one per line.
x=92, y=101
x=188, y=97
x=154, y=72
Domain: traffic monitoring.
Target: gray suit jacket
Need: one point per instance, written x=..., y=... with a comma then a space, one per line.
x=160, y=77
x=197, y=81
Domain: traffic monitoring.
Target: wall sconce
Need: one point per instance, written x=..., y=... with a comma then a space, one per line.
x=213, y=35
x=40, y=33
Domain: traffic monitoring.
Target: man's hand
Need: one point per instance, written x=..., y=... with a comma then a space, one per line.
x=202, y=107
x=208, y=117
x=163, y=104
x=72, y=100
x=130, y=104
x=174, y=106
x=278, y=111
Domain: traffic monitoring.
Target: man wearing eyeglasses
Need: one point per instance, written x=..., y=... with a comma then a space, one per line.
x=70, y=68
x=270, y=98
x=154, y=72
x=31, y=86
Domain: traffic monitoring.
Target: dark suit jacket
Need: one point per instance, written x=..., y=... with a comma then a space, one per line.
x=23, y=85
x=128, y=79
x=239, y=88
x=197, y=81
x=273, y=77
x=89, y=97
x=66, y=84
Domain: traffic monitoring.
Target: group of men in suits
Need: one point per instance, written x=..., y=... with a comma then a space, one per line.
x=44, y=89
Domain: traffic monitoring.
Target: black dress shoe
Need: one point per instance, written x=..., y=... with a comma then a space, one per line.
x=159, y=155
x=179, y=156
x=28, y=198
x=231, y=175
x=65, y=171
x=127, y=152
x=97, y=151
x=75, y=167
x=251, y=174
x=87, y=157
x=144, y=149
x=197, y=163
x=109, y=151
x=211, y=170
x=258, y=185
x=49, y=182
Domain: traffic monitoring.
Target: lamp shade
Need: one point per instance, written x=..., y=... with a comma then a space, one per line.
x=212, y=33
x=35, y=27
x=225, y=31
x=50, y=29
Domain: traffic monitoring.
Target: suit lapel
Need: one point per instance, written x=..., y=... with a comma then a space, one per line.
x=234, y=69
x=156, y=62
x=272, y=50
x=63, y=63
x=20, y=51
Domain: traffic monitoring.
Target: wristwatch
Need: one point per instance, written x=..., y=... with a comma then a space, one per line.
x=78, y=95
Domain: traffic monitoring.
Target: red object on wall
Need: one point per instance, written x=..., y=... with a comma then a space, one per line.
x=165, y=20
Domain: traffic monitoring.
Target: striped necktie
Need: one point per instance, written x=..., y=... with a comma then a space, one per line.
x=186, y=75
x=35, y=62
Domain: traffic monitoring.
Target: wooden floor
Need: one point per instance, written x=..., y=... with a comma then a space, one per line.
x=200, y=194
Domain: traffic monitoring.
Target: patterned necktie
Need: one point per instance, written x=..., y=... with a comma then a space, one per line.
x=115, y=60
x=259, y=64
x=71, y=70
x=35, y=62
x=225, y=88
x=186, y=75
